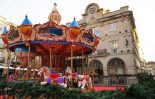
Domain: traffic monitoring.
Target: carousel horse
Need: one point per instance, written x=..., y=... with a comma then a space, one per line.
x=51, y=78
x=83, y=81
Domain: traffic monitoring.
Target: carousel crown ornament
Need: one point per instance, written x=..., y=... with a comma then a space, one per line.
x=54, y=15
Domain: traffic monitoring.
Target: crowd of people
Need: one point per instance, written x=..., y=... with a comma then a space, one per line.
x=120, y=80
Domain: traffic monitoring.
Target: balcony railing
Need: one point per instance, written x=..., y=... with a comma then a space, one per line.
x=100, y=53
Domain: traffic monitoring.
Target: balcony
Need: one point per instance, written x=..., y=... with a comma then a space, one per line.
x=100, y=53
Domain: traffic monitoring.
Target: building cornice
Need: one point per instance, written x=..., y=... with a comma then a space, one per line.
x=108, y=16
x=111, y=16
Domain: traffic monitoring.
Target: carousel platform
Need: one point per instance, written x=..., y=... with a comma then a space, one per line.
x=108, y=88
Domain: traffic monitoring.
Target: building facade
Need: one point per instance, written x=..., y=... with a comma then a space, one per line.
x=4, y=55
x=118, y=49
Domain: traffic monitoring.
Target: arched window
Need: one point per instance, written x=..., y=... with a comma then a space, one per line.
x=96, y=64
x=116, y=66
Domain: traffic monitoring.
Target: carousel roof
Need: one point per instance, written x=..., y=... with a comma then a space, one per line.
x=26, y=21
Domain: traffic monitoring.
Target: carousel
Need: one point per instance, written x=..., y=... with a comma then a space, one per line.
x=52, y=44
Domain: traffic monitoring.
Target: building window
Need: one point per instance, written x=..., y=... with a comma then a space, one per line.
x=116, y=66
x=127, y=42
x=114, y=46
x=112, y=27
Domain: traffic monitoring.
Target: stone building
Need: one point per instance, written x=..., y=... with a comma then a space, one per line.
x=150, y=67
x=118, y=50
x=4, y=55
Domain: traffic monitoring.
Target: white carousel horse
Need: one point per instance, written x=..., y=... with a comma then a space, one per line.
x=51, y=78
x=83, y=80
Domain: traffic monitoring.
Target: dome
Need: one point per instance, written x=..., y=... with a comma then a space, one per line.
x=5, y=30
x=74, y=23
x=54, y=15
x=26, y=21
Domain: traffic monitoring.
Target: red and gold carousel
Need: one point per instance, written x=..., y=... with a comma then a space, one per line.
x=50, y=41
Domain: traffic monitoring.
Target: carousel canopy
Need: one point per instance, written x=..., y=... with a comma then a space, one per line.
x=51, y=37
